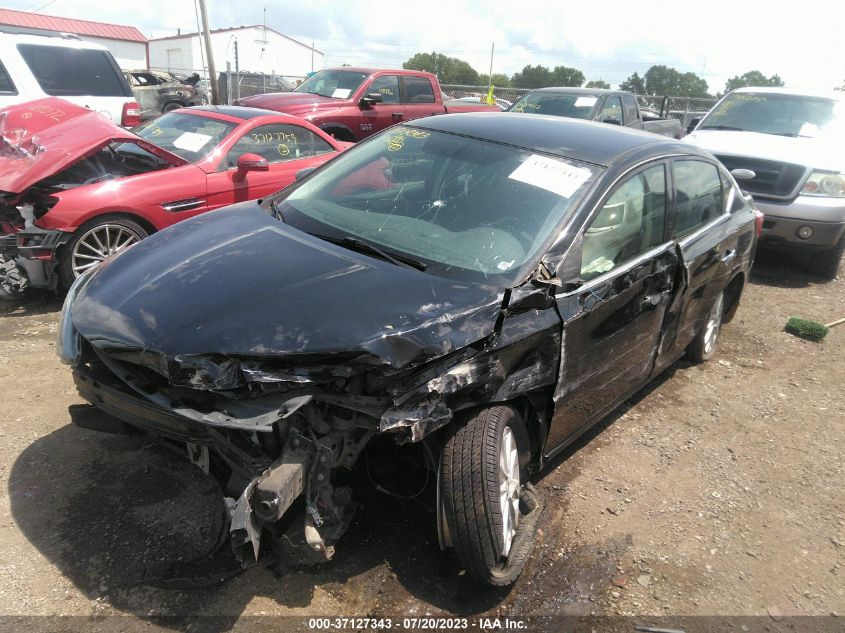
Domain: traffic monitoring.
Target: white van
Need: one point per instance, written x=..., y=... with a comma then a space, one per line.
x=38, y=66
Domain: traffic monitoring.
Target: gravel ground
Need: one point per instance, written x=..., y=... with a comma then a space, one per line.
x=717, y=490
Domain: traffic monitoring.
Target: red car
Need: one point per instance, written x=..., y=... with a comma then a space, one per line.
x=75, y=188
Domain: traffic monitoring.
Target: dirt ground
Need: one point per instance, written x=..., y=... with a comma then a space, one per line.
x=717, y=490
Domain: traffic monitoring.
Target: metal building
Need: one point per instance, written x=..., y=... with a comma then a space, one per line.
x=260, y=50
x=126, y=43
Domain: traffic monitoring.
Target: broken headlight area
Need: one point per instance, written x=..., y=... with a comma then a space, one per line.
x=281, y=440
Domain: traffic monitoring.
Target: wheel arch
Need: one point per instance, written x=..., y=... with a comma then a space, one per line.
x=339, y=132
x=733, y=292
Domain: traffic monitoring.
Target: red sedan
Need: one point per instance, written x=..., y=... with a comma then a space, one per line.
x=75, y=188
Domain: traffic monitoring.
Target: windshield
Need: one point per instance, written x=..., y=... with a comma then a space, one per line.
x=576, y=106
x=338, y=84
x=781, y=114
x=189, y=136
x=466, y=208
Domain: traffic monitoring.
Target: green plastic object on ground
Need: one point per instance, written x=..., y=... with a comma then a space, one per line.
x=806, y=329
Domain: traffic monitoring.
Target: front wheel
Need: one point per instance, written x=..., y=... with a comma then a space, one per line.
x=703, y=346
x=490, y=512
x=93, y=242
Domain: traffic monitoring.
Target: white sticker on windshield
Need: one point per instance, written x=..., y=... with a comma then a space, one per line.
x=191, y=142
x=585, y=102
x=551, y=175
x=341, y=93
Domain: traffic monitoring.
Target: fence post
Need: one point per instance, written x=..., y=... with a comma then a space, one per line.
x=228, y=83
x=686, y=115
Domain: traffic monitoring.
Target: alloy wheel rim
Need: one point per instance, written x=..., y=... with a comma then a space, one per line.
x=508, y=488
x=98, y=243
x=714, y=321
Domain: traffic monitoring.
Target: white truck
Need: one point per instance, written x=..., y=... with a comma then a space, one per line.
x=792, y=148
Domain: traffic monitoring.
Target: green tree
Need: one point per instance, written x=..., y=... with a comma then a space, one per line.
x=753, y=78
x=634, y=84
x=449, y=70
x=597, y=83
x=566, y=76
x=662, y=80
x=500, y=80
x=532, y=77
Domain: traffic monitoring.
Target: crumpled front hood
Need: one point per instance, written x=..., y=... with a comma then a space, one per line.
x=239, y=282
x=816, y=153
x=40, y=138
x=291, y=101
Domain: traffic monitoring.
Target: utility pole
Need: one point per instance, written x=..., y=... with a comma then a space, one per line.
x=490, y=76
x=212, y=72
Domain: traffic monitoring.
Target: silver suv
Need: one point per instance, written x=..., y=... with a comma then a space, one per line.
x=793, y=146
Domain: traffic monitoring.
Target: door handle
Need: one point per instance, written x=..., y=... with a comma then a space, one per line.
x=397, y=115
x=729, y=255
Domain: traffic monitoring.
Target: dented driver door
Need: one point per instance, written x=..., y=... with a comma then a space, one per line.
x=613, y=321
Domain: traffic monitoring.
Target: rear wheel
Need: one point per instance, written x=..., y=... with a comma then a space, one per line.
x=490, y=514
x=93, y=242
x=704, y=344
x=172, y=105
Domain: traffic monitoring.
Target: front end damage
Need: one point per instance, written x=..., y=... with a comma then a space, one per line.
x=282, y=439
x=282, y=442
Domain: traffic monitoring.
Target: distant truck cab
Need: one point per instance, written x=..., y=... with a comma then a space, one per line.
x=353, y=103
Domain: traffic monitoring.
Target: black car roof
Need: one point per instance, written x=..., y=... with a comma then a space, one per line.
x=597, y=143
x=581, y=91
x=241, y=112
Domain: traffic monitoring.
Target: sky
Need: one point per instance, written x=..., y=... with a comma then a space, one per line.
x=609, y=40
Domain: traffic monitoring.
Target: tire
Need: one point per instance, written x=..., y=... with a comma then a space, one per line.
x=113, y=233
x=172, y=105
x=491, y=519
x=703, y=346
x=826, y=264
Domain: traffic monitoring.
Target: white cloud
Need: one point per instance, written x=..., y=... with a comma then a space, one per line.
x=608, y=40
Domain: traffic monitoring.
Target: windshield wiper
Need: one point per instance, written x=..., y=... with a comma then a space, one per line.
x=353, y=243
x=724, y=127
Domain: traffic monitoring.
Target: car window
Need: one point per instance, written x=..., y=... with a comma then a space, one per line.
x=7, y=87
x=278, y=142
x=612, y=110
x=471, y=209
x=190, y=136
x=62, y=71
x=630, y=222
x=418, y=90
x=387, y=86
x=629, y=105
x=699, y=195
x=576, y=106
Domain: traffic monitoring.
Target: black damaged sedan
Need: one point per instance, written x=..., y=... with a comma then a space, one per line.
x=474, y=290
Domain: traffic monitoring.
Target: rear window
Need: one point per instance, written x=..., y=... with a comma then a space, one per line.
x=6, y=85
x=62, y=71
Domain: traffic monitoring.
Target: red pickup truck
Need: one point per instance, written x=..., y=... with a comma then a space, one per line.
x=352, y=103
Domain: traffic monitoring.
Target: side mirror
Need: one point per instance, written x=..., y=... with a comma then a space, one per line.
x=693, y=123
x=369, y=100
x=252, y=162
x=743, y=174
x=612, y=121
x=302, y=173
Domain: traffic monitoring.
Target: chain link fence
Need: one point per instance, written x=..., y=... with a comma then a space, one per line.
x=682, y=108
x=233, y=85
